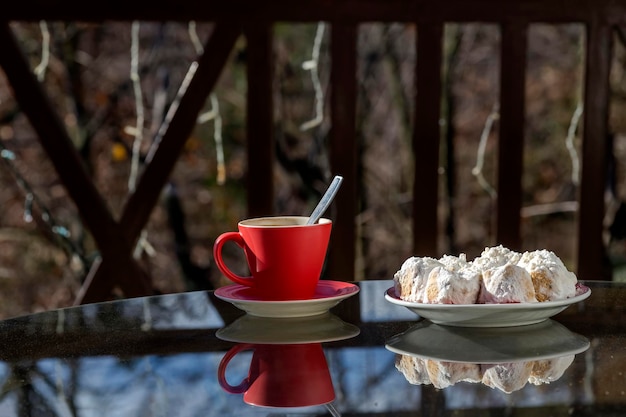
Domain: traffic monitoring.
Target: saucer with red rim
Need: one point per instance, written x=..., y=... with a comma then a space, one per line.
x=327, y=295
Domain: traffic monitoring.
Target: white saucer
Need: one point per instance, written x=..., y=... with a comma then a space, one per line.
x=266, y=330
x=489, y=315
x=327, y=295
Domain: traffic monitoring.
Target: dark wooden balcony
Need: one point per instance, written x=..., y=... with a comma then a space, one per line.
x=116, y=237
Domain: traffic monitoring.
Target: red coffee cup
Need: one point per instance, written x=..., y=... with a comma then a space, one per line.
x=291, y=375
x=284, y=254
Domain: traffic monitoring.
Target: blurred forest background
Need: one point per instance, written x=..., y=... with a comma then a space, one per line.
x=107, y=80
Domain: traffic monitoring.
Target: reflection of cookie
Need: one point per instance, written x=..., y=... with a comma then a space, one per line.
x=443, y=374
x=549, y=370
x=508, y=377
x=413, y=369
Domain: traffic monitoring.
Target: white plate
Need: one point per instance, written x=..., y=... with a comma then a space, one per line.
x=327, y=295
x=489, y=315
x=320, y=328
x=545, y=340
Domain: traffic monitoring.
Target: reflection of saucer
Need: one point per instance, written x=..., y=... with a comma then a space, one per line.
x=544, y=340
x=327, y=295
x=319, y=328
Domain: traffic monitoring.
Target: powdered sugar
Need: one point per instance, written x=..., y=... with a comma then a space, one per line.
x=498, y=275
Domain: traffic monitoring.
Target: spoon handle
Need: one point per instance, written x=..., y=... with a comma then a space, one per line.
x=327, y=198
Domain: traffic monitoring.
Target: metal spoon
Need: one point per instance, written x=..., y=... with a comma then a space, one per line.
x=327, y=198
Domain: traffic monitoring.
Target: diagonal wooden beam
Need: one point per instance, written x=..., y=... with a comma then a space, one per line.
x=53, y=137
x=34, y=102
x=160, y=163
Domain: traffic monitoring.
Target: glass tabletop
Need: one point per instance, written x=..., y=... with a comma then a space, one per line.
x=194, y=353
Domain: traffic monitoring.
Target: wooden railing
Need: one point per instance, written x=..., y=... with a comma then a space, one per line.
x=255, y=19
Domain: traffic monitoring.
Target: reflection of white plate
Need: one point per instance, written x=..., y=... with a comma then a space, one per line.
x=545, y=340
x=327, y=295
x=489, y=315
x=319, y=328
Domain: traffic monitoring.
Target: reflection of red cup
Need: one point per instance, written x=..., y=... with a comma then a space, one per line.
x=282, y=375
x=284, y=254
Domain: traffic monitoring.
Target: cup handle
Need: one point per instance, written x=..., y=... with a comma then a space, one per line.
x=217, y=255
x=221, y=371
